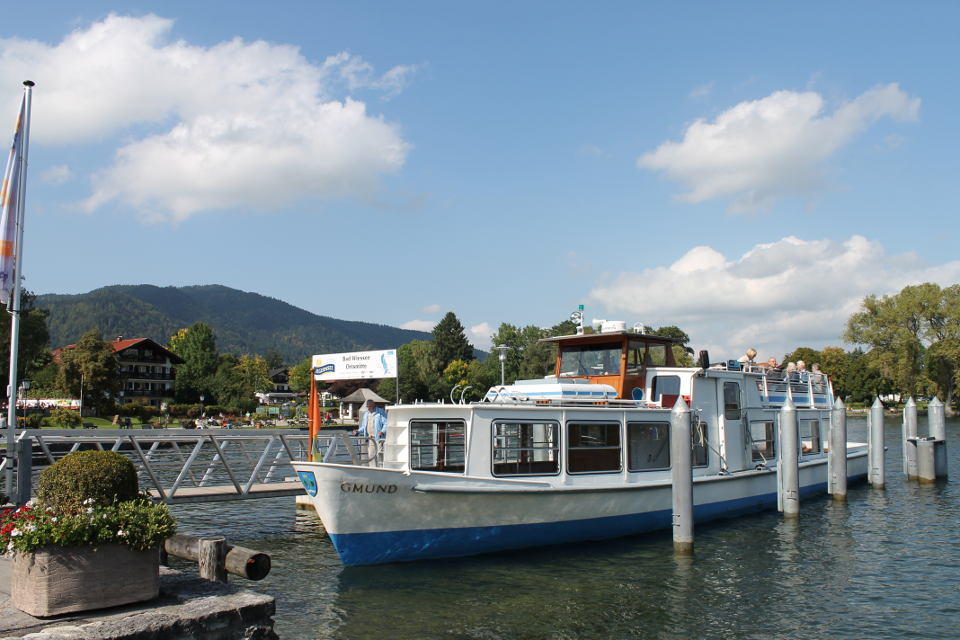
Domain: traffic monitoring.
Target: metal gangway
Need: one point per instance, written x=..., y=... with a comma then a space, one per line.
x=177, y=465
x=189, y=465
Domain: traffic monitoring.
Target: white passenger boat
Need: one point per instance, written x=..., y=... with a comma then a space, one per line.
x=582, y=455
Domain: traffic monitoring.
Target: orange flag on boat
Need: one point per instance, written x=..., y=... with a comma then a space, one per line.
x=9, y=199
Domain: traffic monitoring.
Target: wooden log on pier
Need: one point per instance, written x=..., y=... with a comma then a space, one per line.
x=239, y=561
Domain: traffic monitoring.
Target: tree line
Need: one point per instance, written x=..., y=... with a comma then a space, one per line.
x=908, y=343
x=91, y=369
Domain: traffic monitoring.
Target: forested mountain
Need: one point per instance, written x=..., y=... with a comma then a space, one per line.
x=244, y=322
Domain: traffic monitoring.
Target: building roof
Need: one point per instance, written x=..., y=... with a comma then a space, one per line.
x=121, y=344
x=362, y=395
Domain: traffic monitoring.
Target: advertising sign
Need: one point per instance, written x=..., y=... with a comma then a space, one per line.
x=356, y=365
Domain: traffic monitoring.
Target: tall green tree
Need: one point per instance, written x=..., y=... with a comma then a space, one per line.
x=299, y=376
x=914, y=338
x=682, y=353
x=197, y=345
x=34, y=348
x=450, y=342
x=94, y=364
x=238, y=380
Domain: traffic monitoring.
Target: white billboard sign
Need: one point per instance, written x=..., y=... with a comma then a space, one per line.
x=356, y=365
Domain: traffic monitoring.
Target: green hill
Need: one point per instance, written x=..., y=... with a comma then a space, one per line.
x=244, y=322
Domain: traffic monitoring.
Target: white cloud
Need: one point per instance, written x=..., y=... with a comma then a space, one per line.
x=249, y=124
x=419, y=325
x=56, y=175
x=775, y=297
x=591, y=150
x=756, y=153
x=481, y=335
x=430, y=309
x=701, y=91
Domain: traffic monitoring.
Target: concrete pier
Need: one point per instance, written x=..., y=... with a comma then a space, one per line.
x=189, y=608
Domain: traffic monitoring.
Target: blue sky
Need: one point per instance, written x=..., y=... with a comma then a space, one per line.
x=746, y=171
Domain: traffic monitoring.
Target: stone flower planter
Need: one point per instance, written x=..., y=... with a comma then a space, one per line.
x=56, y=580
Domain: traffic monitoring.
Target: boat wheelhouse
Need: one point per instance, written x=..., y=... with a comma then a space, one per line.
x=581, y=455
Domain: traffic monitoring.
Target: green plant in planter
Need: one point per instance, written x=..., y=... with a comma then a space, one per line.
x=103, y=476
x=87, y=498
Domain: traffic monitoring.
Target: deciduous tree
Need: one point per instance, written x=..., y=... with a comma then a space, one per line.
x=914, y=338
x=34, y=350
x=197, y=345
x=94, y=360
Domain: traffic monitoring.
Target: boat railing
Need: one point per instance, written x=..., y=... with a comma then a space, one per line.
x=523, y=400
x=344, y=448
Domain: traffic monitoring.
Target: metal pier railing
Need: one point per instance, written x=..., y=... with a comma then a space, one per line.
x=179, y=465
x=187, y=465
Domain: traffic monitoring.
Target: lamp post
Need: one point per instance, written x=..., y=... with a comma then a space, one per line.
x=81, y=394
x=502, y=348
x=201, y=405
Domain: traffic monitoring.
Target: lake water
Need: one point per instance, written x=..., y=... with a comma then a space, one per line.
x=886, y=564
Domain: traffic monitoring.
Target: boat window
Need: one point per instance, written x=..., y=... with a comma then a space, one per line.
x=731, y=400
x=590, y=360
x=526, y=448
x=648, y=446
x=667, y=388
x=657, y=355
x=761, y=434
x=635, y=357
x=810, y=437
x=700, y=444
x=593, y=446
x=437, y=445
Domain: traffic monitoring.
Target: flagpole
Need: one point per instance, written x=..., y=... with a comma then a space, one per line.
x=17, y=277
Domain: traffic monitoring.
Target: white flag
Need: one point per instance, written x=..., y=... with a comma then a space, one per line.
x=9, y=197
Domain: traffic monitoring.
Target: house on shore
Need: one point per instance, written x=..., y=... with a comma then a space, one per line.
x=148, y=370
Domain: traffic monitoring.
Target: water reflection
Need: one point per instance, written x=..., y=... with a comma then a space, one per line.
x=881, y=565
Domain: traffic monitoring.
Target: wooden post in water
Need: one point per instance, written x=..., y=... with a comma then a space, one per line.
x=876, y=472
x=837, y=456
x=789, y=466
x=681, y=473
x=909, y=438
x=211, y=557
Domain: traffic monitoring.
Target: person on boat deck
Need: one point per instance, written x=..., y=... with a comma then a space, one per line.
x=816, y=376
x=373, y=422
x=746, y=360
x=772, y=363
x=790, y=372
x=802, y=370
